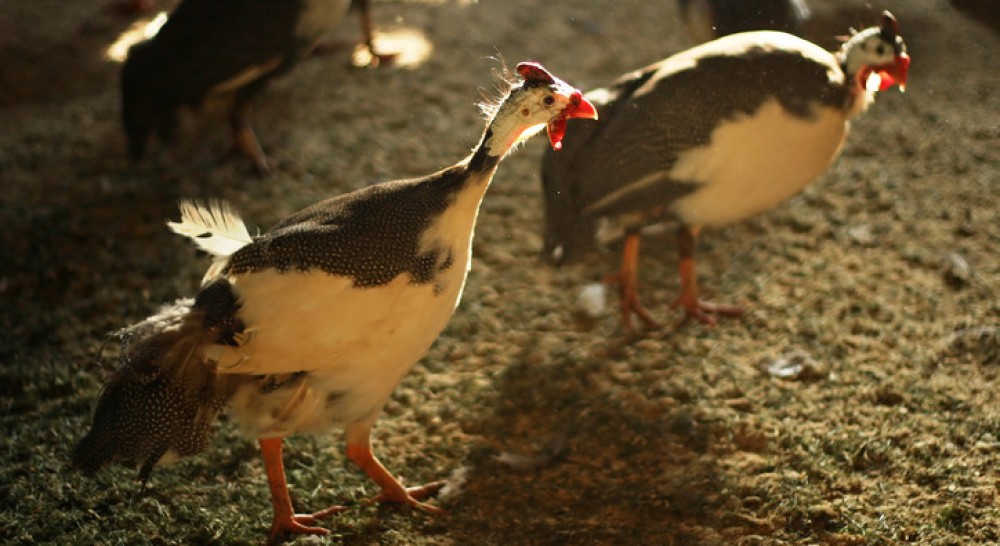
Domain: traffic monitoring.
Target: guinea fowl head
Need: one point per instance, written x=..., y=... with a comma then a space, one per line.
x=539, y=100
x=878, y=51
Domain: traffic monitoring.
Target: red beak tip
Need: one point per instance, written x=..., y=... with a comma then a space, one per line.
x=585, y=109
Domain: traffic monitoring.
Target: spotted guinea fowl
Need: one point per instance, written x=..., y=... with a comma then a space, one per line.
x=707, y=137
x=208, y=49
x=313, y=324
x=709, y=19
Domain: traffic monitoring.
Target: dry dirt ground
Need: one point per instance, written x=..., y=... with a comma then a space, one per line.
x=881, y=278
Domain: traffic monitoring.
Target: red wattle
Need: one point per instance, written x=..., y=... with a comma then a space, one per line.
x=887, y=80
x=557, y=130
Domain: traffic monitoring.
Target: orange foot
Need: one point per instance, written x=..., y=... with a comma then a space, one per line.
x=360, y=452
x=628, y=300
x=365, y=56
x=413, y=496
x=627, y=279
x=703, y=311
x=300, y=524
x=693, y=306
x=286, y=521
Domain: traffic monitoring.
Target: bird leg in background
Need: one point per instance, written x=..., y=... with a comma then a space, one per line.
x=688, y=298
x=360, y=57
x=627, y=279
x=368, y=29
x=244, y=137
x=285, y=519
x=359, y=450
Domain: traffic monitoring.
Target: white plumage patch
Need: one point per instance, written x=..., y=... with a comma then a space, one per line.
x=756, y=162
x=354, y=343
x=214, y=227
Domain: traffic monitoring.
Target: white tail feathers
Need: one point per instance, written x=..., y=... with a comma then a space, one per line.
x=213, y=226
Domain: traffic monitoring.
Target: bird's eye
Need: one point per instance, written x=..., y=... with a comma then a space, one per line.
x=880, y=49
x=549, y=100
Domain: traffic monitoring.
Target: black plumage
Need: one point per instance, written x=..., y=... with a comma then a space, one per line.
x=372, y=235
x=215, y=48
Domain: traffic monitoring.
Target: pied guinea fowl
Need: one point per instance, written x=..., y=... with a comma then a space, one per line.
x=708, y=137
x=210, y=49
x=313, y=324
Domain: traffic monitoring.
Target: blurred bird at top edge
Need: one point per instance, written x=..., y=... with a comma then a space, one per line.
x=207, y=50
x=706, y=20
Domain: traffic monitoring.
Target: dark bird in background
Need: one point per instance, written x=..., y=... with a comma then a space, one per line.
x=707, y=20
x=131, y=7
x=208, y=49
x=708, y=137
x=313, y=324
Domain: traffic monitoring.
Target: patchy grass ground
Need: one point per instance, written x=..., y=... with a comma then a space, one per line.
x=882, y=277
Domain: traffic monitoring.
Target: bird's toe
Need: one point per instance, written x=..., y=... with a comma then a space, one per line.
x=414, y=496
x=298, y=524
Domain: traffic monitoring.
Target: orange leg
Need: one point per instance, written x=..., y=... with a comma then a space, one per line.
x=392, y=490
x=368, y=58
x=688, y=298
x=368, y=29
x=286, y=521
x=627, y=279
x=245, y=139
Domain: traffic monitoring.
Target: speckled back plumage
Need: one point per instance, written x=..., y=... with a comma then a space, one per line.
x=372, y=235
x=162, y=399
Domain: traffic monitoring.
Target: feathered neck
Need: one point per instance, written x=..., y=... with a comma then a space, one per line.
x=862, y=90
x=504, y=129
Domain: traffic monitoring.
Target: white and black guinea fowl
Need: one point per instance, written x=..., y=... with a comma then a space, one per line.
x=708, y=137
x=709, y=19
x=313, y=324
x=207, y=49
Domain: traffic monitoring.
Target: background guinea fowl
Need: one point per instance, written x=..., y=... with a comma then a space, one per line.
x=208, y=48
x=710, y=136
x=709, y=19
x=313, y=324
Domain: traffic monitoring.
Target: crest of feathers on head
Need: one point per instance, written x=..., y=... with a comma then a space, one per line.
x=888, y=29
x=504, y=81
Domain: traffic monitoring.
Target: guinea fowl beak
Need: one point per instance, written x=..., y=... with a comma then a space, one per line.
x=895, y=73
x=578, y=107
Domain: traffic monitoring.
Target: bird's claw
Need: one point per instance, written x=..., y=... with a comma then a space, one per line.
x=704, y=311
x=413, y=496
x=365, y=56
x=301, y=524
x=630, y=304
